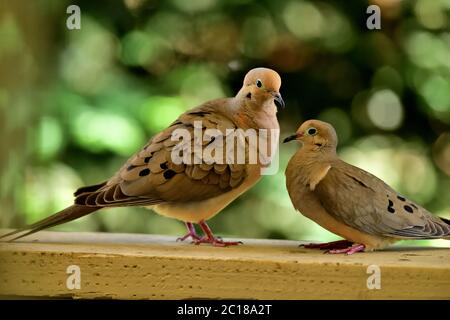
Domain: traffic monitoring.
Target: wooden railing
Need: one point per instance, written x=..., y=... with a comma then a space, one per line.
x=125, y=266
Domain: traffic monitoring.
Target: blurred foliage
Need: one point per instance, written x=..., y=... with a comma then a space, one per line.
x=74, y=104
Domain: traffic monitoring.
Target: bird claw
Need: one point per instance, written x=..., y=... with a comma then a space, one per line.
x=188, y=235
x=340, y=244
x=216, y=242
x=191, y=233
x=213, y=240
x=349, y=250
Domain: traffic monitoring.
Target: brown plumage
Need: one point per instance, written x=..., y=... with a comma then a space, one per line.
x=191, y=192
x=349, y=201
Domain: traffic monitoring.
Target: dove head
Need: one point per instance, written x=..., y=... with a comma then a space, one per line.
x=262, y=85
x=315, y=134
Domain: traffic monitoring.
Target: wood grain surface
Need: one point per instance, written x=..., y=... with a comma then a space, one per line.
x=131, y=266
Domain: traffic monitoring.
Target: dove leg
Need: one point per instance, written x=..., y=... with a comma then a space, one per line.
x=191, y=233
x=211, y=239
x=340, y=244
x=350, y=250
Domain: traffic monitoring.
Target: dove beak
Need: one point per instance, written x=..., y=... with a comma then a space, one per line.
x=278, y=100
x=293, y=137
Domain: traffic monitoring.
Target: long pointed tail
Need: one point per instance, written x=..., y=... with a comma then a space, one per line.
x=68, y=214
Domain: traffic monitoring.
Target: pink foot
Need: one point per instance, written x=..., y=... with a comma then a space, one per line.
x=191, y=233
x=211, y=239
x=340, y=244
x=217, y=242
x=350, y=250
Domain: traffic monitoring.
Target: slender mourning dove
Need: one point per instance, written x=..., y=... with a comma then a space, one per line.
x=194, y=191
x=349, y=201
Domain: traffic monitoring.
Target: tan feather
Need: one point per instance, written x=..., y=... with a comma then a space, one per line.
x=191, y=191
x=350, y=201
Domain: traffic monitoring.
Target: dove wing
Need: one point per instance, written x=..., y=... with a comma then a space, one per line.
x=152, y=177
x=366, y=203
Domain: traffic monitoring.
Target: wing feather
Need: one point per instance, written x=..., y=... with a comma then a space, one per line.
x=151, y=177
x=361, y=200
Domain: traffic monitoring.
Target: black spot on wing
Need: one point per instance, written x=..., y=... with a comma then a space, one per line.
x=390, y=207
x=168, y=174
x=401, y=198
x=163, y=165
x=408, y=209
x=144, y=172
x=147, y=159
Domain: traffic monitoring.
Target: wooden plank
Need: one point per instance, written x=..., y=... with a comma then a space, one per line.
x=125, y=266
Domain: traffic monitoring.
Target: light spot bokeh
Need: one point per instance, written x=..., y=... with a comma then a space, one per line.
x=75, y=104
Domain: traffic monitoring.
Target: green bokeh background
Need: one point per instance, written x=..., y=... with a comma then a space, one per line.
x=74, y=104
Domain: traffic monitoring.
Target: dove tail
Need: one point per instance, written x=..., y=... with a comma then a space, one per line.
x=68, y=214
x=447, y=221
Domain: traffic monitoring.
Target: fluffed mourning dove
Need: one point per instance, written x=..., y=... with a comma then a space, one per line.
x=194, y=191
x=349, y=201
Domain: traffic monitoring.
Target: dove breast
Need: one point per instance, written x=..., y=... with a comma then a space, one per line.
x=196, y=211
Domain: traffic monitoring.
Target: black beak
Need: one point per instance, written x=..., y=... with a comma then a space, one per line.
x=278, y=100
x=290, y=138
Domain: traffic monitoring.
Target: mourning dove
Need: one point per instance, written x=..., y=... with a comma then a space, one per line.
x=349, y=201
x=191, y=191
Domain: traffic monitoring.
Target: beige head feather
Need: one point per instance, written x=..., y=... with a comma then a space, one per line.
x=260, y=86
x=315, y=133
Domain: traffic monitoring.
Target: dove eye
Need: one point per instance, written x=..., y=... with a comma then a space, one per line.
x=258, y=83
x=312, y=131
